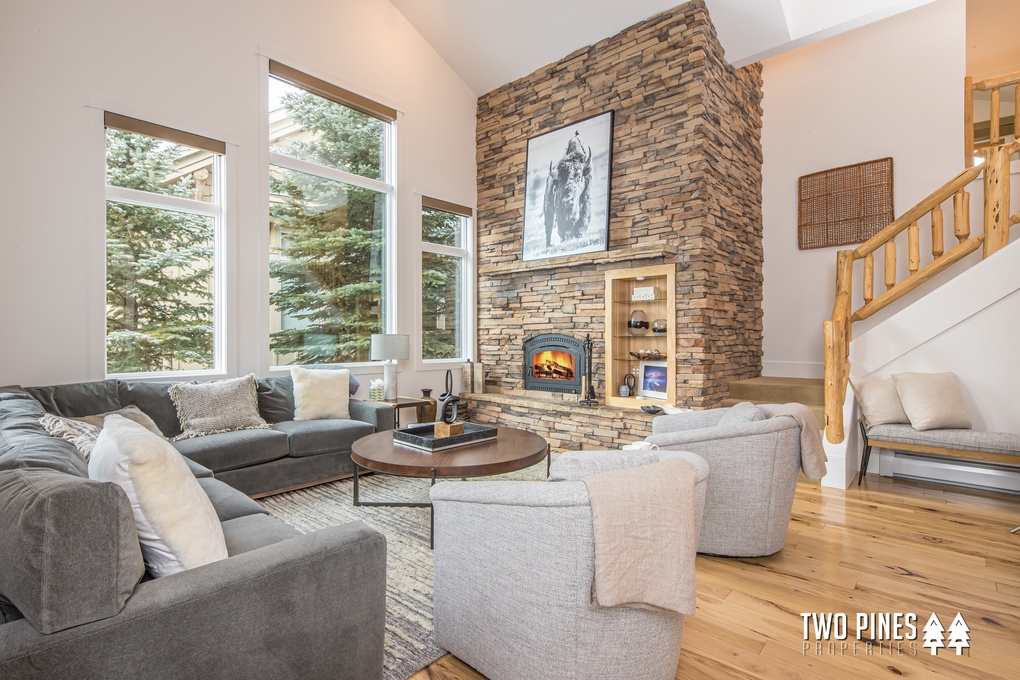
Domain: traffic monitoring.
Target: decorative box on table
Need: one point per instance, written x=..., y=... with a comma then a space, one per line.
x=423, y=437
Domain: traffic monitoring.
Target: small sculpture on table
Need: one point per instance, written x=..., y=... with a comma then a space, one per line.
x=446, y=412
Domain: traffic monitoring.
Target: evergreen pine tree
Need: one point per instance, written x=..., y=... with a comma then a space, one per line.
x=158, y=265
x=441, y=285
x=332, y=255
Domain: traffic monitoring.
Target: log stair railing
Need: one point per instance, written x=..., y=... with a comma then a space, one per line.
x=996, y=223
x=986, y=135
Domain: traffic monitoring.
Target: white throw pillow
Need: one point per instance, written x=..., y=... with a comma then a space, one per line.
x=879, y=402
x=321, y=394
x=177, y=525
x=932, y=401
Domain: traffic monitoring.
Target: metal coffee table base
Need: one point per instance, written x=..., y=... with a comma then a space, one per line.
x=379, y=504
x=432, y=482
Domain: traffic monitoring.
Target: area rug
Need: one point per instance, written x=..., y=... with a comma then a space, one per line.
x=409, y=645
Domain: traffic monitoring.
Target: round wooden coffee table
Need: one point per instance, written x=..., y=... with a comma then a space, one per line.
x=510, y=451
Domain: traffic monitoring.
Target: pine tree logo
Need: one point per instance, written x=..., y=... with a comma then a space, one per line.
x=959, y=634
x=933, y=630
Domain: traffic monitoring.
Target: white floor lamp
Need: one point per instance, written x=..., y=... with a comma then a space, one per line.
x=390, y=348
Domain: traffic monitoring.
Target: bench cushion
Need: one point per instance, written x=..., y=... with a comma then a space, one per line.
x=968, y=440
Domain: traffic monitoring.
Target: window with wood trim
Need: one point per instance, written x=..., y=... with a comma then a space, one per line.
x=445, y=272
x=331, y=196
x=164, y=217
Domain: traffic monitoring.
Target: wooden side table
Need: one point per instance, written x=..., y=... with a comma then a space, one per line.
x=403, y=402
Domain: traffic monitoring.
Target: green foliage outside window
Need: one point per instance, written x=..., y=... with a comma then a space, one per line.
x=441, y=287
x=330, y=264
x=159, y=273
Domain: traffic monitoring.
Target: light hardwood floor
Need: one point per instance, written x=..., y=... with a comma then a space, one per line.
x=888, y=546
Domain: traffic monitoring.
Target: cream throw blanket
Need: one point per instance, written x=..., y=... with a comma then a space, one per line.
x=646, y=536
x=812, y=453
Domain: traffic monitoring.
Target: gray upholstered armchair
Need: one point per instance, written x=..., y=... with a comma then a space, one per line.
x=754, y=465
x=514, y=568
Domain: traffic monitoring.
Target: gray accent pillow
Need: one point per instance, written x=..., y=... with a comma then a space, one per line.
x=153, y=398
x=744, y=412
x=217, y=406
x=879, y=402
x=932, y=401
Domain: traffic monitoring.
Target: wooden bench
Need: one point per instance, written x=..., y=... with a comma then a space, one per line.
x=1002, y=448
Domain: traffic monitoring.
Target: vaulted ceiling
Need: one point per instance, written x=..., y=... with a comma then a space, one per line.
x=492, y=43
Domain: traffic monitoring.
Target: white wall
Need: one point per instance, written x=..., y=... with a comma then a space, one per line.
x=198, y=66
x=892, y=88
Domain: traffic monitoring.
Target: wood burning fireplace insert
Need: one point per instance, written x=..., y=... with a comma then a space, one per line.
x=554, y=362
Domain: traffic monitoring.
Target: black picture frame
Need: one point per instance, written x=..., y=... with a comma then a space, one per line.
x=567, y=187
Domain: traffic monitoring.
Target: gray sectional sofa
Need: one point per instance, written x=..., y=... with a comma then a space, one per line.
x=258, y=462
x=74, y=601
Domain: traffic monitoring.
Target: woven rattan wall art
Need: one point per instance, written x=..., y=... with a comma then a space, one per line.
x=844, y=205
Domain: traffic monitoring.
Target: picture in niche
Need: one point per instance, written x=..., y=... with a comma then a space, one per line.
x=652, y=380
x=566, y=204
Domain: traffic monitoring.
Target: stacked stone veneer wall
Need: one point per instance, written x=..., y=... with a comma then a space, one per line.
x=686, y=189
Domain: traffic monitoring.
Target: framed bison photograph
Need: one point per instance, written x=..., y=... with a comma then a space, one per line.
x=566, y=202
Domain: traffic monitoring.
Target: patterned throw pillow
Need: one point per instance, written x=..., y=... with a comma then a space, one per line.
x=82, y=435
x=217, y=406
x=83, y=431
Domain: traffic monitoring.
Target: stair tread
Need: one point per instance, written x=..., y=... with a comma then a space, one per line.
x=768, y=389
x=776, y=389
x=776, y=380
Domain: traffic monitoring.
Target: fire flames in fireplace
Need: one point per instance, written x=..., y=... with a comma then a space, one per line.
x=553, y=365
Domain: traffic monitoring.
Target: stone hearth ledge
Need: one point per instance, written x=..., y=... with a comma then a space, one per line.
x=565, y=424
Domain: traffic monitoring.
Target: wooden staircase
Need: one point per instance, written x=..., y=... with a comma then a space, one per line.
x=768, y=390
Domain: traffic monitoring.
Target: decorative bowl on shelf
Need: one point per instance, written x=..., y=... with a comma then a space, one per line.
x=648, y=355
x=651, y=410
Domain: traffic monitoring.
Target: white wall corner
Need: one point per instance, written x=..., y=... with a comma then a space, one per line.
x=793, y=369
x=844, y=458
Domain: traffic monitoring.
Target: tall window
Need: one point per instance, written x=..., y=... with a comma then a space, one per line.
x=444, y=228
x=330, y=195
x=164, y=213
